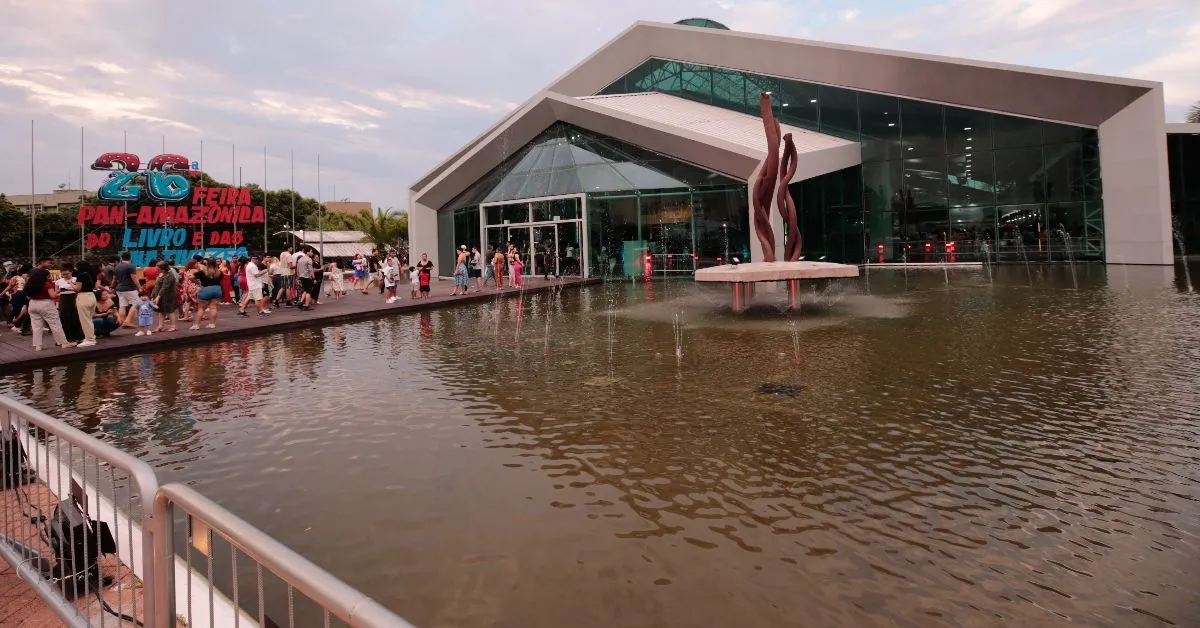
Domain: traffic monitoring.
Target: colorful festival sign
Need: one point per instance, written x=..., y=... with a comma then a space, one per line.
x=186, y=221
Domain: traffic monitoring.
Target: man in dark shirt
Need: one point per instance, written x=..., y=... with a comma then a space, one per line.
x=127, y=292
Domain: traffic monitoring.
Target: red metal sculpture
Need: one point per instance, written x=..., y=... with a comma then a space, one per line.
x=764, y=184
x=765, y=189
x=784, y=201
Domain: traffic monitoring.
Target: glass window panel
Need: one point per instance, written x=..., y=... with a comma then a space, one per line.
x=613, y=226
x=798, y=104
x=564, y=181
x=729, y=89
x=667, y=223
x=643, y=178
x=973, y=225
x=1091, y=169
x=645, y=76
x=1054, y=133
x=541, y=210
x=1014, y=132
x=695, y=82
x=536, y=184
x=757, y=84
x=839, y=111
x=602, y=178
x=923, y=128
x=722, y=223
x=926, y=180
x=881, y=185
x=1065, y=176
x=444, y=256
x=1025, y=223
x=545, y=156
x=1175, y=165
x=972, y=179
x=564, y=209
x=880, y=118
x=886, y=228
x=1019, y=176
x=1189, y=157
x=508, y=188
x=967, y=128
x=1068, y=216
x=562, y=156
x=515, y=212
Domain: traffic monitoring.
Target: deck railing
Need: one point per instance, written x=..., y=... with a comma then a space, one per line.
x=88, y=527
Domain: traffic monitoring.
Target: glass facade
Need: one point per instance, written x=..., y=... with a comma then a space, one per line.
x=1183, y=158
x=937, y=182
x=644, y=211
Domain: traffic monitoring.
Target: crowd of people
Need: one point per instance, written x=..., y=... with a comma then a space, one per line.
x=81, y=301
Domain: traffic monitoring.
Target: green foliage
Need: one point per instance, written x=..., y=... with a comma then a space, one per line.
x=385, y=229
x=1193, y=114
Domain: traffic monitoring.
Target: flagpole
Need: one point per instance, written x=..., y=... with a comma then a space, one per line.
x=292, y=154
x=32, y=202
x=82, y=234
x=200, y=178
x=320, y=211
x=264, y=201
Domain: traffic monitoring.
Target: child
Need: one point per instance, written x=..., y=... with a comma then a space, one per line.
x=415, y=280
x=145, y=316
x=389, y=281
x=517, y=266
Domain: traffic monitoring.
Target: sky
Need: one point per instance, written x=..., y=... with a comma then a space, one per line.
x=382, y=90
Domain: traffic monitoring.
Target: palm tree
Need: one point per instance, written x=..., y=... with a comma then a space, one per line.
x=1193, y=114
x=384, y=229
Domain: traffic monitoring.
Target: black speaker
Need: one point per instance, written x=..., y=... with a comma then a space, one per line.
x=78, y=543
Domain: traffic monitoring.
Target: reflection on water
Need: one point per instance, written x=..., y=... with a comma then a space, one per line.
x=958, y=454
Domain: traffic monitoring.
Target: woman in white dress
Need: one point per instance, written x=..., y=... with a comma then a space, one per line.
x=335, y=281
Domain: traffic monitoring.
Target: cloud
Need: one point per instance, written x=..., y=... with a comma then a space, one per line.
x=314, y=110
x=1179, y=69
x=384, y=89
x=429, y=100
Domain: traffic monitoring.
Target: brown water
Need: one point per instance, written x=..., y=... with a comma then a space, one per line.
x=953, y=455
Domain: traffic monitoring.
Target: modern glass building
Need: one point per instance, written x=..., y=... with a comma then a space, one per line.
x=637, y=160
x=1183, y=155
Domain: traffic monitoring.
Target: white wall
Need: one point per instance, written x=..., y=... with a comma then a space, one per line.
x=1137, y=192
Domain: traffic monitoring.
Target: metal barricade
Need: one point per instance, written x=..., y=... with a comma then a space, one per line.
x=206, y=527
x=78, y=519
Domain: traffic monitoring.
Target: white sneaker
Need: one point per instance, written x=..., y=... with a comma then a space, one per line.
x=68, y=345
x=391, y=299
x=211, y=326
x=194, y=327
x=149, y=333
x=87, y=343
x=266, y=311
x=140, y=333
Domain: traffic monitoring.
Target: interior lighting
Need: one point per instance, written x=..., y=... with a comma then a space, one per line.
x=891, y=124
x=813, y=100
x=966, y=128
x=968, y=148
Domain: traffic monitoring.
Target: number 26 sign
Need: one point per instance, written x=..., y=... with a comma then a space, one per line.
x=164, y=178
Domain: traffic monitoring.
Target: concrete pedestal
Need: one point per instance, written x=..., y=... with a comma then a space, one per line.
x=743, y=278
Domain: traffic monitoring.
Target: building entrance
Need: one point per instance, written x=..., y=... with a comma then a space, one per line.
x=548, y=233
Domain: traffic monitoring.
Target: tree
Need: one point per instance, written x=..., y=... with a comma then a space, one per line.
x=1193, y=114
x=384, y=229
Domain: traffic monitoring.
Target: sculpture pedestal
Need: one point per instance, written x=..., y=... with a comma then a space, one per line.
x=742, y=278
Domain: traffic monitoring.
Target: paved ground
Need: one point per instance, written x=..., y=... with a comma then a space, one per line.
x=16, y=351
x=19, y=605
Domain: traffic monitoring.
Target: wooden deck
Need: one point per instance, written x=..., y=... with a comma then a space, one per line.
x=16, y=351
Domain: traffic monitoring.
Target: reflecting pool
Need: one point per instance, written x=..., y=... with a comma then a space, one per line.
x=913, y=449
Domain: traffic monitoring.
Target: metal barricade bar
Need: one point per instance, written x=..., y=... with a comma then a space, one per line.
x=205, y=516
x=33, y=458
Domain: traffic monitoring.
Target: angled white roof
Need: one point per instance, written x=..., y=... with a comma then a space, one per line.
x=730, y=126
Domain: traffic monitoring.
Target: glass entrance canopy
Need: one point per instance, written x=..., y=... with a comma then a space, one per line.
x=568, y=160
